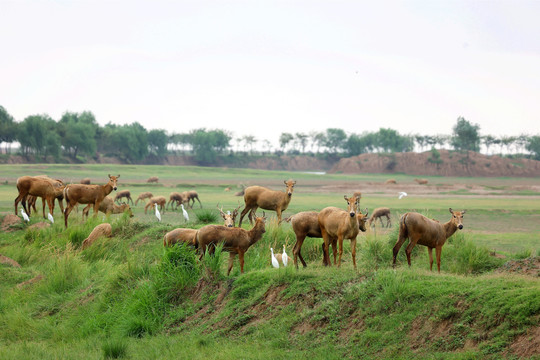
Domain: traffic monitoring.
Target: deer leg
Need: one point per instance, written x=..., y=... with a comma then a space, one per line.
x=438, y=251
x=241, y=258
x=278, y=212
x=380, y=219
x=60, y=203
x=340, y=240
x=326, y=257
x=43, y=205
x=409, y=249
x=397, y=246
x=66, y=213
x=430, y=252
x=86, y=210
x=353, y=252
x=50, y=203
x=252, y=215
x=296, y=251
x=244, y=212
x=334, y=250
x=231, y=261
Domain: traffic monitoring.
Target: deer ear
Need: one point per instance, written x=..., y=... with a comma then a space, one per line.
x=463, y=212
x=285, y=182
x=109, y=176
x=451, y=211
x=345, y=197
x=118, y=176
x=367, y=212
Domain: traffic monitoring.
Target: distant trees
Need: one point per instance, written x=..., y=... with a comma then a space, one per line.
x=207, y=144
x=533, y=146
x=465, y=136
x=78, y=133
x=38, y=135
x=8, y=128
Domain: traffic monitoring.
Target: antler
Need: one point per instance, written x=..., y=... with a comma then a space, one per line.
x=220, y=210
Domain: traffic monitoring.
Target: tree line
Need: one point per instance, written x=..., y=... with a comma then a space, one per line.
x=79, y=136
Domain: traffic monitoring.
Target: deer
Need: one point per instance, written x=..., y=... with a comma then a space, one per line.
x=143, y=196
x=258, y=196
x=160, y=200
x=192, y=195
x=337, y=224
x=428, y=232
x=390, y=182
x=306, y=224
x=41, y=186
x=230, y=219
x=123, y=194
x=85, y=181
x=175, y=236
x=235, y=239
x=176, y=198
x=379, y=213
x=421, y=181
x=87, y=194
x=153, y=179
x=107, y=206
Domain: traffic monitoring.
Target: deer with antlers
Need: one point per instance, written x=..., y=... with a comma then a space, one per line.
x=229, y=218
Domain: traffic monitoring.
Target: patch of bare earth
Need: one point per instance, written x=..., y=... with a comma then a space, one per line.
x=9, y=221
x=529, y=266
x=528, y=344
x=39, y=226
x=30, y=282
x=9, y=261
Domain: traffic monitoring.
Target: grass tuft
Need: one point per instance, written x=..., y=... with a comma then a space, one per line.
x=114, y=349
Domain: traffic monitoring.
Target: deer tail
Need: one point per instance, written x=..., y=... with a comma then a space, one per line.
x=403, y=231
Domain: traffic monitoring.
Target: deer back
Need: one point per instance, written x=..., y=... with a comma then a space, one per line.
x=306, y=223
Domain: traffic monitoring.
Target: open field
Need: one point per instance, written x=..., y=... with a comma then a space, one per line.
x=128, y=297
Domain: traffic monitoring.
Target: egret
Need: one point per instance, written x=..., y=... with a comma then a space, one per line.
x=51, y=219
x=284, y=257
x=186, y=216
x=158, y=215
x=274, y=260
x=24, y=215
x=402, y=194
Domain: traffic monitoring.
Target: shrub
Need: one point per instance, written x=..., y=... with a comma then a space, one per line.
x=114, y=349
x=206, y=216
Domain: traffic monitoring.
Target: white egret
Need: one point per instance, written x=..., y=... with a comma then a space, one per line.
x=186, y=216
x=284, y=257
x=274, y=260
x=158, y=215
x=24, y=215
x=51, y=219
x=402, y=194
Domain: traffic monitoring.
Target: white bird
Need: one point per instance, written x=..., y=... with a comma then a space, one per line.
x=24, y=215
x=402, y=194
x=274, y=260
x=186, y=216
x=284, y=257
x=51, y=219
x=158, y=215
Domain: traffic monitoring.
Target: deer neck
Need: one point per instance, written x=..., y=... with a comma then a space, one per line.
x=107, y=188
x=449, y=228
x=255, y=234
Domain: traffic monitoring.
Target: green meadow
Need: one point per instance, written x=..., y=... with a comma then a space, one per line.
x=129, y=297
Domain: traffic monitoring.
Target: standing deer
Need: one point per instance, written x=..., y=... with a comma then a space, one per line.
x=87, y=194
x=86, y=181
x=258, y=196
x=235, y=240
x=424, y=231
x=160, y=200
x=123, y=194
x=153, y=179
x=177, y=198
x=306, y=224
x=41, y=186
x=229, y=218
x=421, y=181
x=192, y=195
x=143, y=196
x=337, y=224
x=379, y=213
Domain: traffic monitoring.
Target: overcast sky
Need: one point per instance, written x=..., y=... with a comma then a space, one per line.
x=266, y=67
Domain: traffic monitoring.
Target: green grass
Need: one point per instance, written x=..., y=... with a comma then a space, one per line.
x=128, y=297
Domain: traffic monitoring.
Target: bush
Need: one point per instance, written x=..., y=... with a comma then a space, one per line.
x=206, y=216
x=114, y=349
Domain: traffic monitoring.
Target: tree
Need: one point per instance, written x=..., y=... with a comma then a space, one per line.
x=356, y=145
x=8, y=128
x=301, y=139
x=533, y=145
x=465, y=136
x=318, y=139
x=208, y=144
x=249, y=141
x=335, y=139
x=488, y=140
x=157, y=142
x=37, y=134
x=78, y=133
x=284, y=140
x=129, y=142
x=390, y=140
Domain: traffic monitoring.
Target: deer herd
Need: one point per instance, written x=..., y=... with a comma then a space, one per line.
x=332, y=224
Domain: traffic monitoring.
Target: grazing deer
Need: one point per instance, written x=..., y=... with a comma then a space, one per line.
x=258, y=196
x=390, y=182
x=123, y=194
x=87, y=194
x=160, y=200
x=337, y=224
x=41, y=186
x=107, y=206
x=85, y=181
x=153, y=179
x=424, y=231
x=191, y=196
x=235, y=240
x=177, y=198
x=143, y=196
x=379, y=213
x=421, y=181
x=187, y=236
x=306, y=224
x=229, y=218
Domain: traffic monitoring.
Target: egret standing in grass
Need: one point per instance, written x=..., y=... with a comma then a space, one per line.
x=274, y=260
x=402, y=194
x=284, y=257
x=51, y=219
x=158, y=215
x=186, y=216
x=24, y=215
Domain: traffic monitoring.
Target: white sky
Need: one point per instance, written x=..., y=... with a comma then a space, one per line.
x=265, y=67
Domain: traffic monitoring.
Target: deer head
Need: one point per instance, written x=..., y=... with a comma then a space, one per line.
x=457, y=218
x=352, y=204
x=113, y=180
x=290, y=185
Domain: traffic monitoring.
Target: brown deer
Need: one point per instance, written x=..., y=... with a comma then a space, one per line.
x=153, y=179
x=306, y=224
x=160, y=200
x=192, y=195
x=390, y=182
x=123, y=194
x=379, y=213
x=87, y=194
x=176, y=198
x=424, y=231
x=143, y=196
x=181, y=235
x=337, y=224
x=421, y=181
x=41, y=186
x=85, y=181
x=235, y=240
x=258, y=196
x=229, y=218
x=107, y=206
